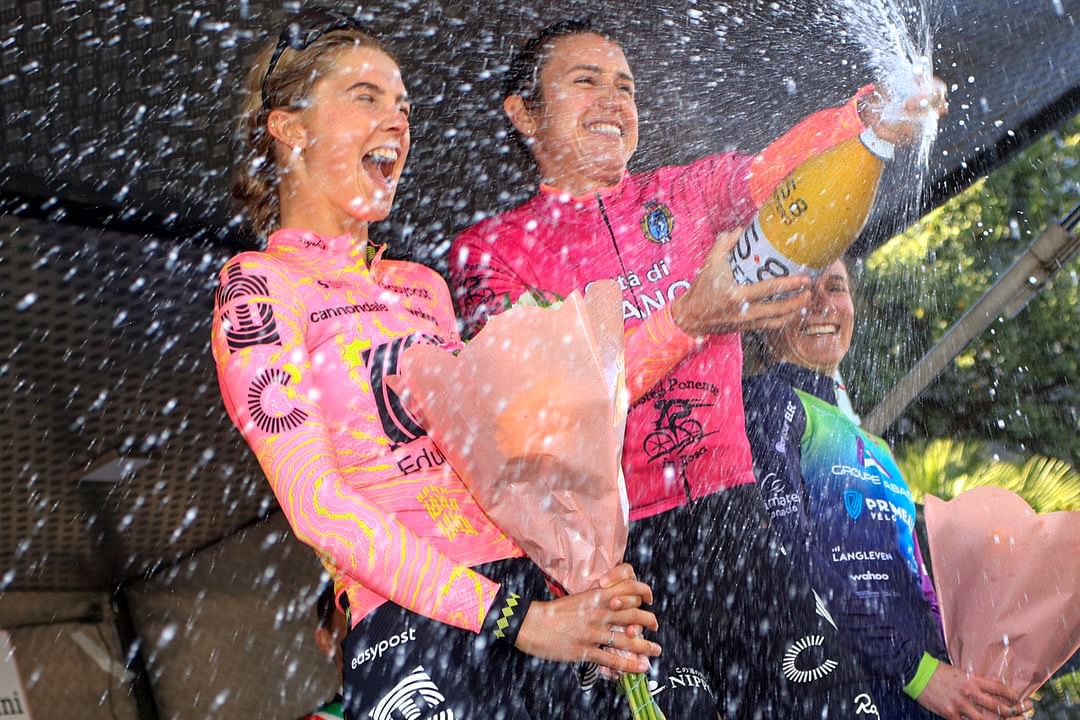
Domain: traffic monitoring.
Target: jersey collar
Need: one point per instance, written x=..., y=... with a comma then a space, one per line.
x=341, y=250
x=563, y=196
x=807, y=380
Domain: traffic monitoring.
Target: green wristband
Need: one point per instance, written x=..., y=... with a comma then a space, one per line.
x=506, y=615
x=927, y=665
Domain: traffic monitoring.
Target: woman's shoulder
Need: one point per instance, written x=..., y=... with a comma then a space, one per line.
x=256, y=260
x=766, y=385
x=507, y=226
x=767, y=396
x=256, y=272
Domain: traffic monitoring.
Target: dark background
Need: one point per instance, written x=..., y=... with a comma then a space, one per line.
x=115, y=212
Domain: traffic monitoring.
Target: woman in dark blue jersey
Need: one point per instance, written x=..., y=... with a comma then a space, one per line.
x=845, y=515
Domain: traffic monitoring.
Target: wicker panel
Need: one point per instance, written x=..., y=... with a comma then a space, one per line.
x=229, y=634
x=107, y=353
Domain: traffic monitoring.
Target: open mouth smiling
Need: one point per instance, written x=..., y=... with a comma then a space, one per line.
x=605, y=128
x=380, y=162
x=821, y=329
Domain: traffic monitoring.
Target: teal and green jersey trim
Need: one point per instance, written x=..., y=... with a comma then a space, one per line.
x=927, y=665
x=506, y=615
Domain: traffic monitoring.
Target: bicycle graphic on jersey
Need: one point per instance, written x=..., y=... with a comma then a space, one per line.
x=675, y=428
x=476, y=295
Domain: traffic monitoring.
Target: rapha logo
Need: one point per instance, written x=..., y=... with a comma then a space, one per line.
x=416, y=697
x=864, y=705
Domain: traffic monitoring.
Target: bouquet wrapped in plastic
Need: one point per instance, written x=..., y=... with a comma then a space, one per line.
x=531, y=415
x=1008, y=580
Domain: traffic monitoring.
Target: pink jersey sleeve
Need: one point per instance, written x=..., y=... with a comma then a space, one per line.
x=812, y=136
x=485, y=285
x=483, y=282
x=733, y=186
x=270, y=396
x=653, y=349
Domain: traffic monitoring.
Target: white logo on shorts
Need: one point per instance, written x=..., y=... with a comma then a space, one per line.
x=413, y=698
x=376, y=651
x=864, y=705
x=794, y=673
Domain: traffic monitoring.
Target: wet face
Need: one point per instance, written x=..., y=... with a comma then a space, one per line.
x=355, y=136
x=585, y=127
x=820, y=338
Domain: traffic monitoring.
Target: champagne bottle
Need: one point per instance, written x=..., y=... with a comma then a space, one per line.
x=815, y=214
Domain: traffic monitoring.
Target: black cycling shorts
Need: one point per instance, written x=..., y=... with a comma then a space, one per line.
x=399, y=665
x=763, y=640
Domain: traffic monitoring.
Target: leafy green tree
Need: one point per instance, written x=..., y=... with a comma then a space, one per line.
x=1019, y=384
x=940, y=467
x=945, y=468
x=1060, y=697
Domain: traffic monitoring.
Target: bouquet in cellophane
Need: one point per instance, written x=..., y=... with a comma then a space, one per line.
x=531, y=415
x=1008, y=580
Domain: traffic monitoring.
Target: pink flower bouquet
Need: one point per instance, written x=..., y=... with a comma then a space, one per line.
x=1008, y=580
x=531, y=415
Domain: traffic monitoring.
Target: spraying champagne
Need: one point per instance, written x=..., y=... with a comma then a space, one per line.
x=818, y=210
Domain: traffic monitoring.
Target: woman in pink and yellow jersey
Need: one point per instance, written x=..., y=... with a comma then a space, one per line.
x=444, y=611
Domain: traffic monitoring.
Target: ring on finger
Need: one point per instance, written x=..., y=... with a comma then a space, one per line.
x=611, y=639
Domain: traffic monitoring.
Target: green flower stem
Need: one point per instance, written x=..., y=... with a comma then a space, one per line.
x=642, y=704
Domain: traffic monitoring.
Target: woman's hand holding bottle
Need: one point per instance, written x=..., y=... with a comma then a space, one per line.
x=905, y=124
x=716, y=303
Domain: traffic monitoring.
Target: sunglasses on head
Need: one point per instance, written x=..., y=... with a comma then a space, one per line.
x=304, y=29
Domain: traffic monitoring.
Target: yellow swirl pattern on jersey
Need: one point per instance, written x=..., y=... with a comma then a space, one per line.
x=304, y=336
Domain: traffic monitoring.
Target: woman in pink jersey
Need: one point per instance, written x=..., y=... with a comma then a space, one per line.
x=443, y=610
x=699, y=535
